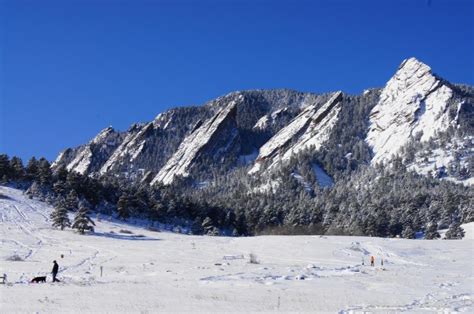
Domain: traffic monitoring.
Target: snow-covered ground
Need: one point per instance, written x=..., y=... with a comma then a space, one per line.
x=146, y=271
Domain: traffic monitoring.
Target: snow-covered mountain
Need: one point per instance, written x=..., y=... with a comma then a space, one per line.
x=413, y=102
x=262, y=131
x=415, y=107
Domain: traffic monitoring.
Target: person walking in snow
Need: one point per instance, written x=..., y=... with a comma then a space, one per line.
x=55, y=271
x=372, y=261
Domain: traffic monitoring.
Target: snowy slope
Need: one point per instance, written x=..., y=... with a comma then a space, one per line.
x=413, y=101
x=324, y=180
x=311, y=127
x=151, y=272
x=442, y=162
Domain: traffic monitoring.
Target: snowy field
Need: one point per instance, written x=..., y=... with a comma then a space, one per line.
x=150, y=272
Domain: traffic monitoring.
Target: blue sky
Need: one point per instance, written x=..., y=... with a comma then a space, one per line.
x=71, y=68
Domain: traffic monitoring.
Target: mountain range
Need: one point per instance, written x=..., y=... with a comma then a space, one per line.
x=418, y=117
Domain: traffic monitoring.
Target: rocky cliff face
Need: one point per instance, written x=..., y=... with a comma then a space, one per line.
x=413, y=103
x=89, y=158
x=310, y=128
x=221, y=127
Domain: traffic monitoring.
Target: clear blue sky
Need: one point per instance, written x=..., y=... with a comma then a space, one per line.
x=70, y=68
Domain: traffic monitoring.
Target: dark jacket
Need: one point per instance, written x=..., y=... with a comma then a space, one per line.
x=55, y=268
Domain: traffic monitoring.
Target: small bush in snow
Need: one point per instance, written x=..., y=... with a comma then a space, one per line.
x=154, y=229
x=253, y=259
x=125, y=231
x=15, y=258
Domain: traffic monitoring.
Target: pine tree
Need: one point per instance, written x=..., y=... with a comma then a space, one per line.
x=34, y=190
x=122, y=207
x=408, y=233
x=455, y=231
x=59, y=188
x=32, y=169
x=17, y=169
x=60, y=173
x=44, y=171
x=432, y=231
x=59, y=215
x=207, y=225
x=82, y=221
x=72, y=201
x=4, y=166
x=74, y=181
x=196, y=227
x=158, y=211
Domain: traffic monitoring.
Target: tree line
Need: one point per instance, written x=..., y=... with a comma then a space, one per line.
x=374, y=201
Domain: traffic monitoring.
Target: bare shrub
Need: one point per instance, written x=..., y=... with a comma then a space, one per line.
x=153, y=228
x=15, y=258
x=253, y=259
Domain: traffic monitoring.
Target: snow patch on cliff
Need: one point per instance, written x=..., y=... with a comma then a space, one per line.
x=324, y=180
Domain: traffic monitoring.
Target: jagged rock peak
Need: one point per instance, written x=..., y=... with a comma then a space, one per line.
x=103, y=135
x=414, y=65
x=414, y=101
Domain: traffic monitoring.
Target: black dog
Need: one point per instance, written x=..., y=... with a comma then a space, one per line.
x=39, y=279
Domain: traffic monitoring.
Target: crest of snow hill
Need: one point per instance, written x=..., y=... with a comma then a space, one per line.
x=417, y=117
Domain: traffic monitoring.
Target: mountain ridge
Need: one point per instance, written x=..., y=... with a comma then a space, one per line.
x=415, y=104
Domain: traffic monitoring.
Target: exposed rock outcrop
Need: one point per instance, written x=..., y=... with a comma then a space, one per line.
x=200, y=140
x=413, y=102
x=311, y=127
x=90, y=157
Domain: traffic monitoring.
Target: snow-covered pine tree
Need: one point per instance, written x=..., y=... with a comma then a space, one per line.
x=207, y=225
x=455, y=231
x=122, y=207
x=59, y=188
x=72, y=200
x=196, y=227
x=432, y=231
x=408, y=233
x=4, y=166
x=44, y=172
x=32, y=169
x=17, y=169
x=35, y=190
x=59, y=215
x=82, y=221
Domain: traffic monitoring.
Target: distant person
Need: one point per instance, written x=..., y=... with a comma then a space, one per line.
x=55, y=271
x=372, y=261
